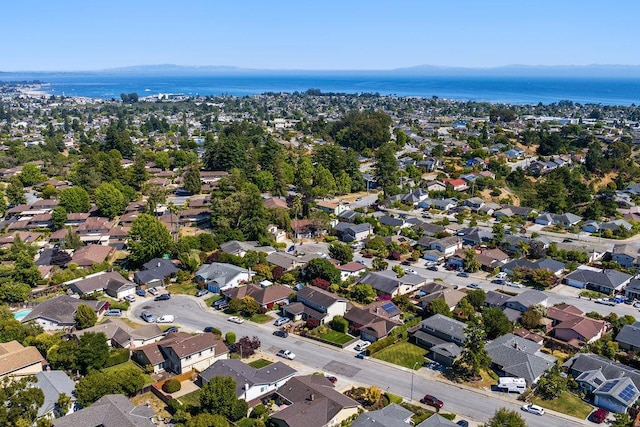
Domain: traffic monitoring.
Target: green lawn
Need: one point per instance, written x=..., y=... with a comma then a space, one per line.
x=260, y=318
x=567, y=403
x=403, y=354
x=117, y=368
x=185, y=288
x=336, y=337
x=192, y=398
x=260, y=363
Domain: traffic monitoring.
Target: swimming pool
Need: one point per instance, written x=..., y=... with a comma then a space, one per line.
x=19, y=315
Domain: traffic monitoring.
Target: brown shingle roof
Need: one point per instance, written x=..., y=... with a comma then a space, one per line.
x=13, y=357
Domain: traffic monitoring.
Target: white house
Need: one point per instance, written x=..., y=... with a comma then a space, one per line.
x=219, y=277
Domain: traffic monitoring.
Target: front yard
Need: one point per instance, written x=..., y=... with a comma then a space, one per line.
x=336, y=337
x=404, y=354
x=260, y=363
x=567, y=403
x=117, y=368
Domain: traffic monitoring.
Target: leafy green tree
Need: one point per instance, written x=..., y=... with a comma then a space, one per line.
x=476, y=297
x=162, y=160
x=21, y=400
x=322, y=268
x=58, y=217
x=109, y=200
x=552, y=384
x=505, y=418
x=192, y=182
x=499, y=233
x=96, y=384
x=218, y=396
x=470, y=263
x=15, y=191
x=3, y=204
x=496, y=322
x=138, y=174
x=63, y=404
x=474, y=357
x=622, y=420
x=14, y=292
x=398, y=270
x=64, y=355
x=324, y=184
x=379, y=264
x=363, y=293
x=93, y=351
x=340, y=324
x=207, y=420
x=304, y=176
x=72, y=240
x=531, y=318
x=438, y=306
x=148, y=239
x=85, y=317
x=30, y=175
x=386, y=169
x=75, y=199
x=362, y=129
x=341, y=252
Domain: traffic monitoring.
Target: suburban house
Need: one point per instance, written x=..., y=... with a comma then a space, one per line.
x=513, y=356
x=571, y=326
x=121, y=335
x=437, y=420
x=312, y=400
x=218, y=277
x=316, y=306
x=17, y=360
x=567, y=219
x=629, y=337
x=109, y=282
x=526, y=299
x=632, y=290
x=438, y=249
x=456, y=184
x=495, y=299
x=387, y=282
x=180, y=352
x=237, y=248
x=392, y=415
x=290, y=261
x=251, y=383
x=266, y=296
x=110, y=410
x=607, y=281
x=94, y=230
x=331, y=208
x=351, y=269
x=354, y=232
x=59, y=313
x=433, y=291
x=155, y=273
x=53, y=384
x=616, y=395
x=443, y=336
x=373, y=321
x=556, y=267
x=88, y=256
x=626, y=255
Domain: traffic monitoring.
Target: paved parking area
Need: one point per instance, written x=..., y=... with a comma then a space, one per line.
x=341, y=368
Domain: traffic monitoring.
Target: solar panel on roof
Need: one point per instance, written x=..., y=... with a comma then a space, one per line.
x=628, y=392
x=607, y=386
x=388, y=307
x=597, y=381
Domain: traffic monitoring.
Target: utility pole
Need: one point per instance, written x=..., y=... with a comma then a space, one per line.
x=413, y=371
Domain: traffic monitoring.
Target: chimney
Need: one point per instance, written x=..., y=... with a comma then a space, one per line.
x=312, y=397
x=158, y=264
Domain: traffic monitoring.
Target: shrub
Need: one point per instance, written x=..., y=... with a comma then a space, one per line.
x=174, y=405
x=216, y=331
x=258, y=411
x=230, y=338
x=340, y=324
x=117, y=356
x=171, y=386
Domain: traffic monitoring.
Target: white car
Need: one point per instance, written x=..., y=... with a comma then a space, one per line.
x=362, y=345
x=286, y=354
x=501, y=275
x=515, y=284
x=474, y=286
x=534, y=409
x=153, y=291
x=130, y=298
x=236, y=319
x=409, y=271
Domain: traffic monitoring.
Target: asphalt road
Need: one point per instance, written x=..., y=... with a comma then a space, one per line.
x=311, y=356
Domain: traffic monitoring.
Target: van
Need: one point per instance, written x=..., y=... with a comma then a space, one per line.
x=281, y=321
x=113, y=312
x=167, y=318
x=362, y=345
x=512, y=384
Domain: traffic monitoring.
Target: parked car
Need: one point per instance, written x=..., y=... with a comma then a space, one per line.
x=153, y=291
x=147, y=317
x=463, y=274
x=130, y=298
x=281, y=321
x=162, y=297
x=501, y=275
x=209, y=329
x=433, y=268
x=432, y=401
x=515, y=284
x=361, y=355
x=202, y=292
x=406, y=262
x=534, y=409
x=236, y=319
x=170, y=330
x=141, y=292
x=368, y=255
x=280, y=333
x=332, y=379
x=498, y=281
x=409, y=271
x=287, y=354
x=636, y=305
x=599, y=415
x=115, y=312
x=463, y=423
x=474, y=286
x=166, y=318
x=362, y=345
x=605, y=301
x=220, y=304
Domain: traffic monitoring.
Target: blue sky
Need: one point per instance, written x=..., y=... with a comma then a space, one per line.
x=320, y=35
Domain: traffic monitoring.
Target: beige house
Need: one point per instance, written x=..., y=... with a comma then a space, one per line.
x=17, y=360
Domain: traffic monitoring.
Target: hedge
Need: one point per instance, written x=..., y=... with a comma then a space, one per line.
x=399, y=333
x=171, y=386
x=230, y=338
x=117, y=356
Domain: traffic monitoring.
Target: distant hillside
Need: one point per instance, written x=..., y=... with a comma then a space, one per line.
x=596, y=70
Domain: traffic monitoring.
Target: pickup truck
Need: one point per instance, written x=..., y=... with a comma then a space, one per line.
x=605, y=301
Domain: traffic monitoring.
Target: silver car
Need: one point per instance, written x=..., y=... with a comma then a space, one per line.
x=147, y=317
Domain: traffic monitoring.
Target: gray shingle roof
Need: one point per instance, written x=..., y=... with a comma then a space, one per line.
x=53, y=384
x=519, y=357
x=112, y=410
x=445, y=325
x=437, y=420
x=393, y=415
x=583, y=362
x=607, y=278
x=61, y=310
x=387, y=281
x=630, y=334
x=245, y=374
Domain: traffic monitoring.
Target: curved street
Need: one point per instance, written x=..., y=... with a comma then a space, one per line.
x=191, y=315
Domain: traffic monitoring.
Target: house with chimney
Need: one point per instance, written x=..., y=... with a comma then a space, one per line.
x=442, y=336
x=514, y=356
x=571, y=326
x=374, y=321
x=316, y=306
x=155, y=272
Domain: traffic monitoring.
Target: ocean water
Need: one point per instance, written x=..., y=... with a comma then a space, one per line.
x=511, y=90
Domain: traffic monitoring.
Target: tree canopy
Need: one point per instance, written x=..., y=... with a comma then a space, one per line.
x=148, y=239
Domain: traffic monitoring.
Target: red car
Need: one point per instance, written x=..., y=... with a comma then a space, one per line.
x=432, y=401
x=600, y=415
x=368, y=255
x=332, y=379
